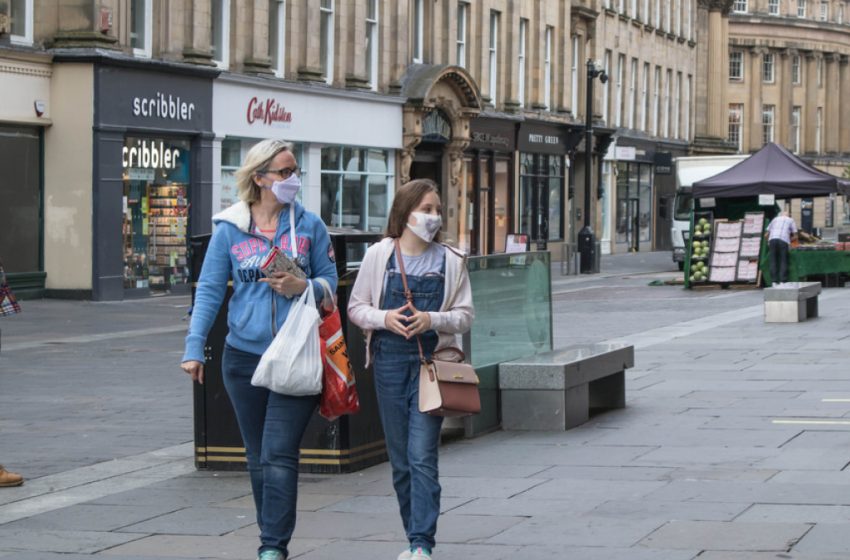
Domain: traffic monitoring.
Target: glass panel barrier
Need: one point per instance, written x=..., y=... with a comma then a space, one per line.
x=512, y=294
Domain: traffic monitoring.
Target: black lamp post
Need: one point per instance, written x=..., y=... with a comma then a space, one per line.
x=586, y=239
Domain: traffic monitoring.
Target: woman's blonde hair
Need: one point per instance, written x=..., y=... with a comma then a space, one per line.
x=256, y=161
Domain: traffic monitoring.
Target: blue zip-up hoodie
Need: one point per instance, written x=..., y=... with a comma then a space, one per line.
x=256, y=312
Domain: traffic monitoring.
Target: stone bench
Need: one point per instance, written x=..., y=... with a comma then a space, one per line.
x=558, y=389
x=791, y=302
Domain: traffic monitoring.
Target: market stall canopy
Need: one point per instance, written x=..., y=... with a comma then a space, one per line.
x=771, y=170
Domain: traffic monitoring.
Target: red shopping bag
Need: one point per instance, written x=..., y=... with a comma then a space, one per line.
x=339, y=393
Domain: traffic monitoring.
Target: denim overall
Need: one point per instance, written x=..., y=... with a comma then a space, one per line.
x=412, y=438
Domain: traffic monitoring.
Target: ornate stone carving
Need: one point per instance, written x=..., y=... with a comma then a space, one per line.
x=724, y=6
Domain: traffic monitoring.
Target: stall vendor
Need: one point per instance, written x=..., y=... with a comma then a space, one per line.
x=780, y=232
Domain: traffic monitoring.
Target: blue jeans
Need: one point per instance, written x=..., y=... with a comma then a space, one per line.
x=412, y=438
x=272, y=426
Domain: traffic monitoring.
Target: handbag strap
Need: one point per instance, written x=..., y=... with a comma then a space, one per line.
x=408, y=295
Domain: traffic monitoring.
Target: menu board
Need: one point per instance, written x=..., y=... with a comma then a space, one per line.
x=748, y=270
x=722, y=274
x=751, y=247
x=724, y=254
x=753, y=223
x=728, y=229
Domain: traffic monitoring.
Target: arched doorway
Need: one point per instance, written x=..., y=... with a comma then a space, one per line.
x=441, y=101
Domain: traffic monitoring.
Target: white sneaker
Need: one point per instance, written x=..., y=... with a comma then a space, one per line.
x=406, y=555
x=420, y=554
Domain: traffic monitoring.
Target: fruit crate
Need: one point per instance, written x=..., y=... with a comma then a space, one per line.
x=698, y=249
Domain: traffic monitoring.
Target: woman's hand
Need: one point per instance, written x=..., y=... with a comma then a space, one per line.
x=395, y=320
x=418, y=323
x=195, y=370
x=286, y=284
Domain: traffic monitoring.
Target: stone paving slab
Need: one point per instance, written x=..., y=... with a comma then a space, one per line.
x=88, y=542
x=576, y=531
x=184, y=546
x=775, y=513
x=195, y=521
x=713, y=535
x=825, y=538
x=90, y=517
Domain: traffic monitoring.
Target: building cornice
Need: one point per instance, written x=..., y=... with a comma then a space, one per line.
x=308, y=88
x=108, y=57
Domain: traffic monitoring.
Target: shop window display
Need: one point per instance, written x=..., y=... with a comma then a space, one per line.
x=156, y=214
x=541, y=196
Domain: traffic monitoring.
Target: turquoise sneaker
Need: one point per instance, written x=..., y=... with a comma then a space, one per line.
x=405, y=555
x=271, y=555
x=421, y=554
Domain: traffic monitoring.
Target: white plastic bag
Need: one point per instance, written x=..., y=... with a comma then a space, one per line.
x=292, y=364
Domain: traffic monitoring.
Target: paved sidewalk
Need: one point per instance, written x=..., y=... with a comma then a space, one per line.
x=733, y=445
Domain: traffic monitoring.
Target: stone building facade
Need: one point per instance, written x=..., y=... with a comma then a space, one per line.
x=788, y=71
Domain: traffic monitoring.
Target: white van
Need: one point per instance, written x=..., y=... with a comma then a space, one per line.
x=689, y=170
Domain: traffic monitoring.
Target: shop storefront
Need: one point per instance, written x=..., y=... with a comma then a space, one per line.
x=153, y=149
x=541, y=200
x=24, y=113
x=345, y=144
x=485, y=198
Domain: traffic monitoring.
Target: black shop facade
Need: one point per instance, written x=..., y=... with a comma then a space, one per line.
x=153, y=160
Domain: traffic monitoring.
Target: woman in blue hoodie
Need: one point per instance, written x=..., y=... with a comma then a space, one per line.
x=271, y=424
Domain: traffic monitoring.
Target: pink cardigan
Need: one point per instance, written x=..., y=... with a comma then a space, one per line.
x=454, y=317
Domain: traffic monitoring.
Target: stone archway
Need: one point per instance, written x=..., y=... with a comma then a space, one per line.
x=452, y=92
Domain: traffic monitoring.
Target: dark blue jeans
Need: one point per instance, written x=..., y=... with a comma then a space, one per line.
x=412, y=438
x=778, y=256
x=272, y=426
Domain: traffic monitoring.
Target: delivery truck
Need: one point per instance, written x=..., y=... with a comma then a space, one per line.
x=689, y=170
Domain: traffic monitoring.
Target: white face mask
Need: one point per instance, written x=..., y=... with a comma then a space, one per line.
x=427, y=225
x=286, y=190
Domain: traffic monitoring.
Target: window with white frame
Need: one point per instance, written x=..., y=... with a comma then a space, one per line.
x=767, y=68
x=20, y=16
x=644, y=12
x=547, y=68
x=633, y=77
x=736, y=66
x=574, y=72
x=668, y=15
x=220, y=32
x=679, y=11
x=686, y=113
x=326, y=39
x=736, y=120
x=523, y=42
x=690, y=19
x=277, y=35
x=618, y=93
x=668, y=102
x=356, y=187
x=644, y=117
x=633, y=9
x=657, y=14
x=767, y=114
x=801, y=8
x=795, y=69
x=494, y=55
x=656, y=103
x=739, y=6
x=621, y=6
x=824, y=11
x=141, y=22
x=677, y=99
x=839, y=13
x=418, y=31
x=773, y=7
x=606, y=89
x=462, y=26
x=372, y=43
x=818, y=130
x=796, y=112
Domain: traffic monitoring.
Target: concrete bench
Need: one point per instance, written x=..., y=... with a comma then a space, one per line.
x=558, y=389
x=791, y=302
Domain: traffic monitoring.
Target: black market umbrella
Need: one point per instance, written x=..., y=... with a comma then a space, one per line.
x=771, y=170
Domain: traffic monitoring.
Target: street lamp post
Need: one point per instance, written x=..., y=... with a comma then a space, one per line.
x=586, y=239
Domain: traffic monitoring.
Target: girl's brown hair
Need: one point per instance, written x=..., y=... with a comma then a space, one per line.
x=407, y=198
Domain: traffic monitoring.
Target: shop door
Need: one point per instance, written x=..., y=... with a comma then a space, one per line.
x=634, y=207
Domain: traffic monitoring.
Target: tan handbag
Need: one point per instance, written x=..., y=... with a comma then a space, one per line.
x=447, y=387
